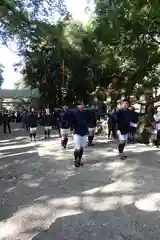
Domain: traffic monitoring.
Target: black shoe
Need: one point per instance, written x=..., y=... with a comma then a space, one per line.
x=122, y=157
x=77, y=164
x=81, y=164
x=45, y=137
x=90, y=144
x=63, y=147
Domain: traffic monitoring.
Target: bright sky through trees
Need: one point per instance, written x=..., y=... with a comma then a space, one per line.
x=8, y=57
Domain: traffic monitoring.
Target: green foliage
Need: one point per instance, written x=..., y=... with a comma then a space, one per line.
x=1, y=75
x=117, y=54
x=19, y=17
x=131, y=33
x=43, y=66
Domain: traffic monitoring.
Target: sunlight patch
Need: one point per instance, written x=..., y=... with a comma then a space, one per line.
x=64, y=202
x=39, y=215
x=32, y=184
x=20, y=138
x=119, y=186
x=5, y=141
x=144, y=149
x=43, y=198
x=113, y=165
x=26, y=176
x=12, y=189
x=15, y=146
x=101, y=203
x=149, y=203
x=18, y=154
x=104, y=203
x=158, y=153
x=67, y=212
x=92, y=191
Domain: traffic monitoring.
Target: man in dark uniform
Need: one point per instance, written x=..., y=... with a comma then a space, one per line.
x=64, y=124
x=6, y=122
x=134, y=121
x=123, y=118
x=80, y=131
x=57, y=120
x=47, y=122
x=32, y=123
x=92, y=123
x=111, y=126
x=25, y=120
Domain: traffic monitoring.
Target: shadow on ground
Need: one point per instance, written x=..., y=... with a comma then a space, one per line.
x=40, y=189
x=114, y=224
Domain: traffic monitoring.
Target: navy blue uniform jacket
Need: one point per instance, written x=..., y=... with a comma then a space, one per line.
x=80, y=123
x=123, y=118
x=91, y=119
x=47, y=120
x=32, y=120
x=65, y=120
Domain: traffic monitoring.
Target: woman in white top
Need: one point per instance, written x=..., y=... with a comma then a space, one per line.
x=157, y=126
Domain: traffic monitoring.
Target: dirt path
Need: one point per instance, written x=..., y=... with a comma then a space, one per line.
x=43, y=197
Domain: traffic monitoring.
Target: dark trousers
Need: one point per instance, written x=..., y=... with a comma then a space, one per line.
x=131, y=135
x=158, y=138
x=59, y=130
x=27, y=127
x=112, y=132
x=5, y=128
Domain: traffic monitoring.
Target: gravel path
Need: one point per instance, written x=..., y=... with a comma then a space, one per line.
x=43, y=197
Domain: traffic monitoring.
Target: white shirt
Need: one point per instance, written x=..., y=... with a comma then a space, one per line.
x=157, y=120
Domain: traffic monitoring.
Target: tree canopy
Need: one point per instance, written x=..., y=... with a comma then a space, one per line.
x=116, y=54
x=19, y=18
x=1, y=75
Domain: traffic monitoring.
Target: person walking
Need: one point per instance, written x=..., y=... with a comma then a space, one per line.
x=123, y=118
x=47, y=122
x=92, y=124
x=133, y=126
x=25, y=120
x=111, y=125
x=80, y=131
x=157, y=126
x=6, y=122
x=57, y=113
x=64, y=124
x=32, y=123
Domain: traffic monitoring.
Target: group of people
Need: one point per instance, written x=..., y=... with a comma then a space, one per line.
x=79, y=121
x=5, y=120
x=82, y=122
x=155, y=139
x=112, y=124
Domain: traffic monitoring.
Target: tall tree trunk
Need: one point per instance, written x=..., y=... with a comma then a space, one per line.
x=114, y=99
x=145, y=125
x=149, y=107
x=59, y=97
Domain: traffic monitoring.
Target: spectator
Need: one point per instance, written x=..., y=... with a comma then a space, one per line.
x=111, y=126
x=6, y=122
x=134, y=121
x=157, y=127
